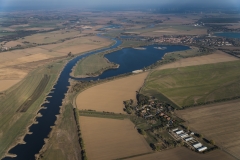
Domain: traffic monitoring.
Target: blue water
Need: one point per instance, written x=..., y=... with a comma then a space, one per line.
x=228, y=35
x=129, y=59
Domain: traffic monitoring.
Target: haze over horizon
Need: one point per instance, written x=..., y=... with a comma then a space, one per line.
x=41, y=4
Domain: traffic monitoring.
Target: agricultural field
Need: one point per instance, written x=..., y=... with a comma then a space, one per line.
x=50, y=37
x=12, y=44
x=195, y=85
x=13, y=124
x=219, y=122
x=109, y=96
x=215, y=57
x=181, y=153
x=161, y=30
x=111, y=138
x=5, y=84
x=16, y=64
x=92, y=65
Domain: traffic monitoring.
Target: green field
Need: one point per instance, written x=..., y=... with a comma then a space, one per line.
x=13, y=124
x=92, y=65
x=195, y=85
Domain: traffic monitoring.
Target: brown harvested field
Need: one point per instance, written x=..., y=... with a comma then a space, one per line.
x=5, y=84
x=50, y=36
x=14, y=65
x=10, y=77
x=11, y=74
x=109, y=96
x=111, y=138
x=13, y=44
x=25, y=59
x=182, y=153
x=76, y=46
x=216, y=57
x=219, y=122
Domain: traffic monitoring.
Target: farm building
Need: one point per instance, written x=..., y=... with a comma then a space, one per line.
x=184, y=135
x=197, y=145
x=178, y=132
x=201, y=149
x=188, y=139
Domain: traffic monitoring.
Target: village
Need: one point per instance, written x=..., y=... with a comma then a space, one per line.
x=164, y=130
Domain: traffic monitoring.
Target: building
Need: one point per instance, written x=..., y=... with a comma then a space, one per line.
x=197, y=145
x=178, y=132
x=184, y=135
x=188, y=139
x=201, y=149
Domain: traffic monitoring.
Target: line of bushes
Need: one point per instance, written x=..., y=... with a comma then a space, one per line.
x=80, y=139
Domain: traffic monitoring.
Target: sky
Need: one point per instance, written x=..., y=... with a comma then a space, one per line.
x=109, y=3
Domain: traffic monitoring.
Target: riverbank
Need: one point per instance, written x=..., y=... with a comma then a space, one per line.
x=14, y=134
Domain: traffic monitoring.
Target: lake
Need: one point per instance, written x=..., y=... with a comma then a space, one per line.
x=131, y=59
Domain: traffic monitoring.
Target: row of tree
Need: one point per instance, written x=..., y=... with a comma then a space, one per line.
x=81, y=142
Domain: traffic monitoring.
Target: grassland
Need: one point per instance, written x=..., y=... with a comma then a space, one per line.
x=181, y=153
x=111, y=138
x=109, y=96
x=63, y=143
x=13, y=124
x=219, y=122
x=195, y=85
x=92, y=65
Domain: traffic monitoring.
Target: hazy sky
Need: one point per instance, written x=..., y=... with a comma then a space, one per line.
x=102, y=3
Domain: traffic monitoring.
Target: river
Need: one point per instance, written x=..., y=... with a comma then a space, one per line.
x=129, y=59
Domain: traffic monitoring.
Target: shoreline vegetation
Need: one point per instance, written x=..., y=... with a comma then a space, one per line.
x=98, y=72
x=31, y=111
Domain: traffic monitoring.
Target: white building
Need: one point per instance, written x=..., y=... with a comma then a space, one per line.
x=198, y=145
x=188, y=139
x=201, y=149
x=184, y=135
x=178, y=132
